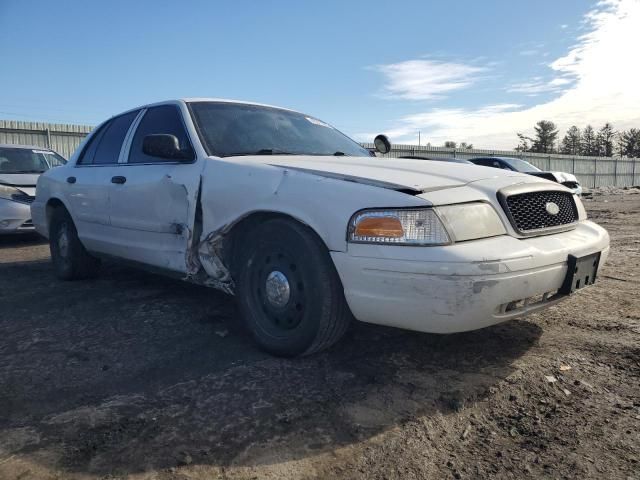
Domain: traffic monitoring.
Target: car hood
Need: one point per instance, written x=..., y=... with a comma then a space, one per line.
x=401, y=174
x=555, y=176
x=19, y=179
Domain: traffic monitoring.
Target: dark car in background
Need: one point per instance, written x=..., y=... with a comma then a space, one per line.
x=20, y=167
x=518, y=165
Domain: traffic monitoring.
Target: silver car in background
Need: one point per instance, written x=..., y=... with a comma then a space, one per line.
x=20, y=167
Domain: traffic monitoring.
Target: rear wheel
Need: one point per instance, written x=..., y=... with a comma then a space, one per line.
x=70, y=259
x=289, y=291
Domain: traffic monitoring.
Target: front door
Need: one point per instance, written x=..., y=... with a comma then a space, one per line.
x=153, y=203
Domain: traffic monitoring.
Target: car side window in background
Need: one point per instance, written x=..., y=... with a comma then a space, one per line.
x=110, y=144
x=484, y=163
x=165, y=119
x=54, y=160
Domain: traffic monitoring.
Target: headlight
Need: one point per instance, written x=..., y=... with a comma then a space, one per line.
x=398, y=226
x=426, y=226
x=582, y=213
x=469, y=221
x=7, y=192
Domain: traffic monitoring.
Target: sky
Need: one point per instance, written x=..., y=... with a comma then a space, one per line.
x=459, y=70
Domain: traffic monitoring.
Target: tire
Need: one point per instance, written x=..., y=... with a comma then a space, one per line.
x=70, y=259
x=288, y=290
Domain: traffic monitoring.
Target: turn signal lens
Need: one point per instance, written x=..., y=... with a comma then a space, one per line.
x=386, y=227
x=410, y=226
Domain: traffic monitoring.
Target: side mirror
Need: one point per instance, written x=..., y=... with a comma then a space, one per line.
x=165, y=146
x=382, y=144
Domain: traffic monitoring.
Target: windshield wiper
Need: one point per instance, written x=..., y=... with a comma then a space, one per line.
x=339, y=154
x=26, y=171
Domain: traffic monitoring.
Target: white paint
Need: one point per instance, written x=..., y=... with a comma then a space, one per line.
x=151, y=219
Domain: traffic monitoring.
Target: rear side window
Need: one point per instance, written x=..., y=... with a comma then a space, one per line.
x=89, y=151
x=111, y=142
x=164, y=119
x=104, y=147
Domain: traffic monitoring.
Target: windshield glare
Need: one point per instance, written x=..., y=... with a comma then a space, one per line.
x=521, y=165
x=25, y=160
x=230, y=129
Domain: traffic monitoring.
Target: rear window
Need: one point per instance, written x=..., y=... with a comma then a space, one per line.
x=26, y=160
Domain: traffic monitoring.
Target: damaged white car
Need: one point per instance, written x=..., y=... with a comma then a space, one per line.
x=307, y=230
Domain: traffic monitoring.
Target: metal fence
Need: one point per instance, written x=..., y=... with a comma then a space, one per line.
x=591, y=171
x=62, y=138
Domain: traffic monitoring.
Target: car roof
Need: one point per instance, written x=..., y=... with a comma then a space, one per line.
x=26, y=147
x=176, y=101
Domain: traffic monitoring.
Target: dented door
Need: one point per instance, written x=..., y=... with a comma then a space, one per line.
x=153, y=205
x=151, y=213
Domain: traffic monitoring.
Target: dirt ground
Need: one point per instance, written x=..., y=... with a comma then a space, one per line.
x=137, y=376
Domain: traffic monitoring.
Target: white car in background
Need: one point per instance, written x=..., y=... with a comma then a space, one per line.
x=20, y=167
x=307, y=230
x=569, y=180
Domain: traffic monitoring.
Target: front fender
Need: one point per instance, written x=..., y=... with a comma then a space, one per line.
x=231, y=191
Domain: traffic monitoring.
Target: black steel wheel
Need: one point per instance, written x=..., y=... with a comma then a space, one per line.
x=288, y=290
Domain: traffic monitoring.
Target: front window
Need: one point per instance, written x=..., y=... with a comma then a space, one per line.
x=520, y=165
x=233, y=129
x=25, y=160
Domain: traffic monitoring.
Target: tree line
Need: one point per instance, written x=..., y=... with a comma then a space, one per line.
x=605, y=142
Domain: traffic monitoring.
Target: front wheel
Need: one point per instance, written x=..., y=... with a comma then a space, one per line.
x=289, y=291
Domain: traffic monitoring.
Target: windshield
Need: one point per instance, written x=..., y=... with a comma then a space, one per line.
x=25, y=160
x=231, y=129
x=521, y=165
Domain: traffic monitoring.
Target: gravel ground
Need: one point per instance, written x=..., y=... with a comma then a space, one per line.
x=137, y=376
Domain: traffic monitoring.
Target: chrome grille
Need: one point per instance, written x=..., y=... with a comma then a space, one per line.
x=529, y=211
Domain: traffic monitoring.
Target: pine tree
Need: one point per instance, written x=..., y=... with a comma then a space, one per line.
x=546, y=134
x=629, y=143
x=572, y=142
x=523, y=144
x=589, y=142
x=606, y=137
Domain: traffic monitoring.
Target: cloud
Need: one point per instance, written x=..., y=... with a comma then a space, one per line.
x=596, y=82
x=426, y=79
x=537, y=87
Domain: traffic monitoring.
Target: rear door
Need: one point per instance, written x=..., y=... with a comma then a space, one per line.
x=153, y=207
x=88, y=183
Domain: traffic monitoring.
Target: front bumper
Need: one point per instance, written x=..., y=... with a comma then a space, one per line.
x=15, y=217
x=465, y=286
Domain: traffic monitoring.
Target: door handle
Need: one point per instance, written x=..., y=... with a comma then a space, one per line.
x=71, y=179
x=118, y=179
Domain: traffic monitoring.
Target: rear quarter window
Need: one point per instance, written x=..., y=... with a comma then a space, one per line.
x=104, y=146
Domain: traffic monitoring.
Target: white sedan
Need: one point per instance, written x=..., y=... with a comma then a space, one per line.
x=307, y=229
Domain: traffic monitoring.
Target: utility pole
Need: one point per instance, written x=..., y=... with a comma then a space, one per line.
x=418, y=137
